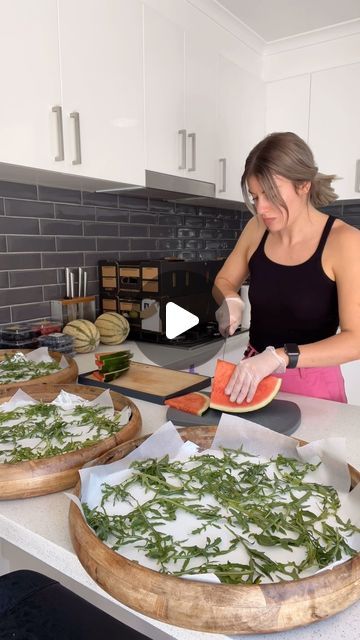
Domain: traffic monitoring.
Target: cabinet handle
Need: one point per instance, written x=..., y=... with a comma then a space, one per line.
x=357, y=176
x=76, y=118
x=182, y=133
x=60, y=133
x=223, y=175
x=192, y=137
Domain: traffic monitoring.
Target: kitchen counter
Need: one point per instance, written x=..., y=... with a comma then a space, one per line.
x=34, y=532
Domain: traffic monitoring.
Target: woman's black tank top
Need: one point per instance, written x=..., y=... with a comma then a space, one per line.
x=296, y=303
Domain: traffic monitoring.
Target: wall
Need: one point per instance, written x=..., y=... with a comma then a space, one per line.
x=44, y=229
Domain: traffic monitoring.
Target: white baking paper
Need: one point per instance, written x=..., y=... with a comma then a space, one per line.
x=67, y=403
x=234, y=433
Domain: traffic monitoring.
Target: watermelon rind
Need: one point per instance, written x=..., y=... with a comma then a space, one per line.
x=221, y=402
x=181, y=402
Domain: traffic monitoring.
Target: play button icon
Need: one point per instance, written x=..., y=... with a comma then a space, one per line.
x=178, y=320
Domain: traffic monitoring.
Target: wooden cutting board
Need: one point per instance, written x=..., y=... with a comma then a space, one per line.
x=151, y=383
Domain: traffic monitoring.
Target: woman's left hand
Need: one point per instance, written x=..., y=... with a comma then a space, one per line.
x=250, y=371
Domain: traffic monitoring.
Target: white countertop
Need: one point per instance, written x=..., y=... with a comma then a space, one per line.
x=39, y=526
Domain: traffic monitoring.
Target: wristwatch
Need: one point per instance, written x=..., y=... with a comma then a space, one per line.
x=292, y=351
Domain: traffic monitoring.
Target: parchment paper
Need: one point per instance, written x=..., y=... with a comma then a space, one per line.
x=233, y=432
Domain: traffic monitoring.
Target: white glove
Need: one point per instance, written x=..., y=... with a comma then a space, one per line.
x=229, y=314
x=250, y=371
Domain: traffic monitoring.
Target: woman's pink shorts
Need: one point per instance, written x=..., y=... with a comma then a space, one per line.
x=316, y=382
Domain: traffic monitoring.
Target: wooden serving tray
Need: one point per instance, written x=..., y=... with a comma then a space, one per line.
x=63, y=376
x=216, y=608
x=49, y=475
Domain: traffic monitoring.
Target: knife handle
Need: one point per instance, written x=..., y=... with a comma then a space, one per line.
x=67, y=282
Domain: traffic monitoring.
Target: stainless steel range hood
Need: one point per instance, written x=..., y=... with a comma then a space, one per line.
x=164, y=186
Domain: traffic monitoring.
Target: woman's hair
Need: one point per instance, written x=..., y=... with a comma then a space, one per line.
x=286, y=154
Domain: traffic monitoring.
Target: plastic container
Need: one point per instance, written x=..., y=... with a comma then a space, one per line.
x=16, y=333
x=58, y=342
x=19, y=344
x=44, y=327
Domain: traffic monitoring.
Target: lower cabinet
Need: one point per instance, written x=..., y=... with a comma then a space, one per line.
x=351, y=373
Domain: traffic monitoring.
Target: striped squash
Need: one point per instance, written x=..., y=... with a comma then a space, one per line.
x=85, y=333
x=113, y=327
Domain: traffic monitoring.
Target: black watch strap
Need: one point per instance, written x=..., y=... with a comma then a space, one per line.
x=292, y=351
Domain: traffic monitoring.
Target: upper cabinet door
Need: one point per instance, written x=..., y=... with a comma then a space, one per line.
x=200, y=109
x=287, y=105
x=164, y=94
x=335, y=125
x=30, y=83
x=102, y=85
x=241, y=124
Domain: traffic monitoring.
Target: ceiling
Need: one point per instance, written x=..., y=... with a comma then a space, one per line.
x=274, y=20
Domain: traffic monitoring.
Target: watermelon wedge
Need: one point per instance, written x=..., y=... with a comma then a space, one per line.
x=265, y=392
x=195, y=403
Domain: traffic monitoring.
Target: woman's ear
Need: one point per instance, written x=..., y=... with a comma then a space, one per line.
x=305, y=187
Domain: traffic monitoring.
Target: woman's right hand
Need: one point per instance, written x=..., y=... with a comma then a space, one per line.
x=229, y=315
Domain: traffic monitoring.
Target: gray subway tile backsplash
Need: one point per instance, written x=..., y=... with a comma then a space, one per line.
x=21, y=226
x=29, y=208
x=74, y=212
x=97, y=229
x=4, y=280
x=100, y=199
x=9, y=261
x=22, y=278
x=54, y=194
x=43, y=230
x=17, y=190
x=31, y=244
x=61, y=227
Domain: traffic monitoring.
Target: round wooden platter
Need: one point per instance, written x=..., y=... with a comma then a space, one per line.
x=57, y=473
x=63, y=376
x=216, y=608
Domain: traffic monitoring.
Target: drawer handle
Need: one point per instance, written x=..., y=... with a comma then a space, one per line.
x=60, y=134
x=223, y=175
x=76, y=117
x=192, y=137
x=182, y=134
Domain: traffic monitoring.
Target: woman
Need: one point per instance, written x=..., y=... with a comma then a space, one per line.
x=304, y=269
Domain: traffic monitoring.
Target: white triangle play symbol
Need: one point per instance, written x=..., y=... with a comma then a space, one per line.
x=178, y=320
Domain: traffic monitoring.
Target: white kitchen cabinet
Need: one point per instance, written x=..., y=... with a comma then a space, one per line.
x=180, y=100
x=351, y=373
x=102, y=88
x=287, y=105
x=164, y=43
x=334, y=132
x=201, y=64
x=30, y=82
x=72, y=87
x=240, y=125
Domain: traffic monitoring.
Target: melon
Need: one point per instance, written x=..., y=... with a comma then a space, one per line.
x=195, y=403
x=85, y=334
x=265, y=392
x=113, y=327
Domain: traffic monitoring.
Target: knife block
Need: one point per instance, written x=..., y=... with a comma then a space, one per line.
x=67, y=309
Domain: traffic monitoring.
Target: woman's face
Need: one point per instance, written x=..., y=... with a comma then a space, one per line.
x=274, y=216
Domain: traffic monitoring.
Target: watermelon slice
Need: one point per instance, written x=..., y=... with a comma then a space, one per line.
x=195, y=403
x=265, y=392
